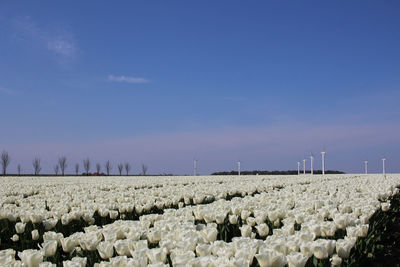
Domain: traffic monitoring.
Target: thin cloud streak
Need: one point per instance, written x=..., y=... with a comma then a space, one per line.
x=127, y=79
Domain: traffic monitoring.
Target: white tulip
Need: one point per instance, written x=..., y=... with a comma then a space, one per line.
x=296, y=259
x=343, y=248
x=89, y=242
x=220, y=218
x=240, y=262
x=35, y=234
x=306, y=249
x=121, y=247
x=68, y=244
x=47, y=264
x=36, y=218
x=245, y=214
x=245, y=230
x=271, y=258
x=203, y=250
x=210, y=234
x=15, y=238
x=53, y=236
x=156, y=255
x=385, y=206
x=320, y=251
x=181, y=257
x=233, y=219
x=20, y=227
x=262, y=229
x=31, y=257
x=105, y=249
x=246, y=253
x=49, y=248
x=251, y=221
x=50, y=224
x=335, y=260
x=113, y=214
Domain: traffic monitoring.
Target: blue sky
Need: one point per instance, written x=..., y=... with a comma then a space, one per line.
x=163, y=82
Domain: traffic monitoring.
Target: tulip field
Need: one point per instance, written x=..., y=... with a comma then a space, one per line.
x=302, y=220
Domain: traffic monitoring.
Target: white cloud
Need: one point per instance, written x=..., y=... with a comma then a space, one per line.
x=60, y=43
x=61, y=46
x=127, y=79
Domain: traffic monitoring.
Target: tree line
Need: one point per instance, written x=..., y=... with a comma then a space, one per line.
x=62, y=164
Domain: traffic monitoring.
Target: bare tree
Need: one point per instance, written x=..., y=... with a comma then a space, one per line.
x=86, y=165
x=77, y=168
x=108, y=167
x=98, y=168
x=127, y=168
x=120, y=168
x=56, y=169
x=19, y=169
x=36, y=166
x=5, y=161
x=62, y=161
x=144, y=169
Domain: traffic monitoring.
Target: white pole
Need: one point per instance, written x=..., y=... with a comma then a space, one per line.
x=304, y=166
x=383, y=166
x=238, y=167
x=194, y=167
x=366, y=166
x=298, y=168
x=323, y=162
x=312, y=163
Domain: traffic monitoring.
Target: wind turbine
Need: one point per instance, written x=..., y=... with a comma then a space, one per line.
x=298, y=168
x=312, y=164
x=238, y=164
x=323, y=162
x=366, y=166
x=383, y=166
x=304, y=166
x=194, y=167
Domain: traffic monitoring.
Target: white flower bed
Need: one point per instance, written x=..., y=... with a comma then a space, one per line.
x=272, y=221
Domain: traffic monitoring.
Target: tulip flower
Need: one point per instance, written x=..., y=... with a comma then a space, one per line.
x=296, y=259
x=343, y=248
x=270, y=258
x=20, y=227
x=262, y=229
x=15, y=238
x=68, y=244
x=35, y=234
x=245, y=230
x=31, y=257
x=335, y=260
x=105, y=249
x=49, y=248
x=156, y=255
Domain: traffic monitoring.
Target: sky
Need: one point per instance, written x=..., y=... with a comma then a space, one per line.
x=164, y=82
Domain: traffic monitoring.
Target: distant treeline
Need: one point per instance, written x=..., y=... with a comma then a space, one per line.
x=289, y=172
